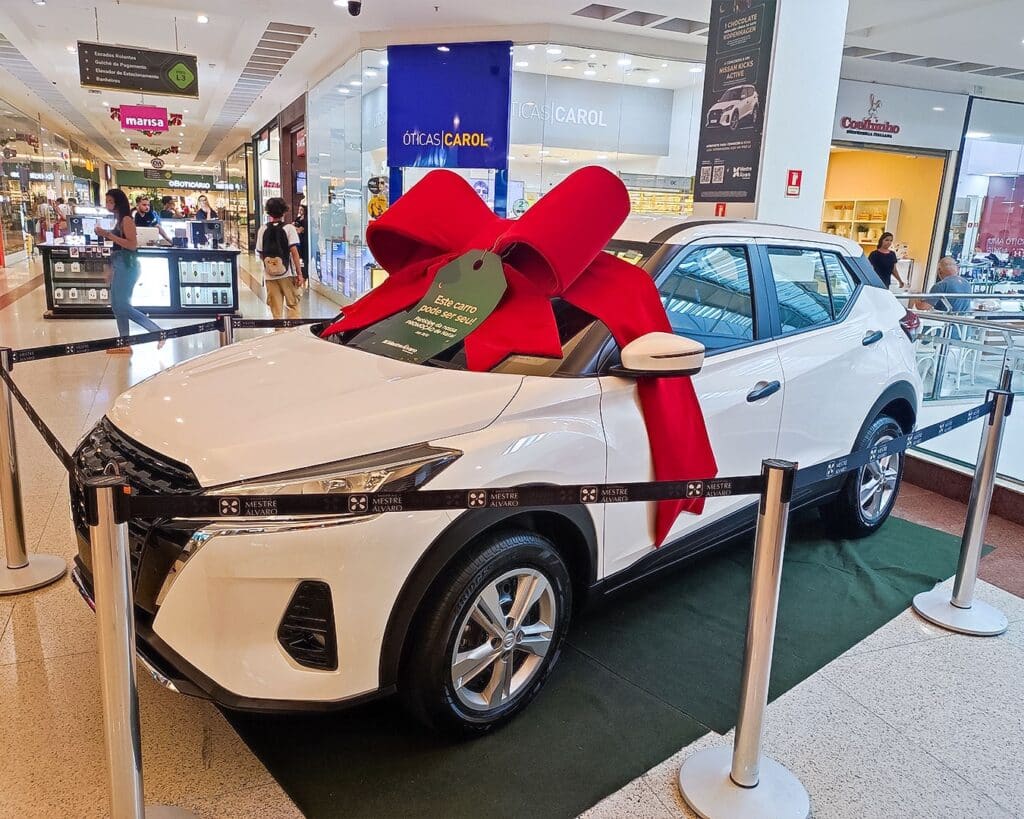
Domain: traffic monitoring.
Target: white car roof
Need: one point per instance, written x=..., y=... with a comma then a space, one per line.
x=675, y=230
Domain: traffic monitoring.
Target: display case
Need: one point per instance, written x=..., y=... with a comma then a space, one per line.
x=173, y=281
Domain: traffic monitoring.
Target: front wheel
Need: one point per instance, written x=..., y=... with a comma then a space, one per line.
x=489, y=636
x=869, y=494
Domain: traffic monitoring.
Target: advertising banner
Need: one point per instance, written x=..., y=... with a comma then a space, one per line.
x=144, y=118
x=122, y=68
x=892, y=115
x=448, y=105
x=740, y=41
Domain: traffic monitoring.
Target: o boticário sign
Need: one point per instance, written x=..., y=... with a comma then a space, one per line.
x=144, y=118
x=448, y=105
x=122, y=68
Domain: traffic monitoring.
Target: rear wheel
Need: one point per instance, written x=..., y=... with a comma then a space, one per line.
x=869, y=494
x=490, y=636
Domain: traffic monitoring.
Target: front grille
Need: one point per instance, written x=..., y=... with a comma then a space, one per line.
x=153, y=546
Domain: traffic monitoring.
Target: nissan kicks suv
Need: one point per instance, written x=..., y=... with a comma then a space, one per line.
x=807, y=357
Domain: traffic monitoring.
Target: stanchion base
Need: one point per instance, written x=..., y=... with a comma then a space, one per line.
x=980, y=620
x=40, y=571
x=168, y=812
x=707, y=788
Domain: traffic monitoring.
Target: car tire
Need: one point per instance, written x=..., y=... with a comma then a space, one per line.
x=504, y=664
x=755, y=115
x=869, y=493
x=734, y=123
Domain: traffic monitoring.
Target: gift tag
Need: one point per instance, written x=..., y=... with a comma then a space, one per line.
x=463, y=294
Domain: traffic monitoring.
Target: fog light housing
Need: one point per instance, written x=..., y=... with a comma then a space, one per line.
x=306, y=632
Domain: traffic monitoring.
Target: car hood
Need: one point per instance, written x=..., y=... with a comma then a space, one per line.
x=721, y=106
x=289, y=400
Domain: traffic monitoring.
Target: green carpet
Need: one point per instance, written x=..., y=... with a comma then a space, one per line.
x=643, y=676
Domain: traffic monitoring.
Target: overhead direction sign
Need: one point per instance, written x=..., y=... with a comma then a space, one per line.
x=122, y=68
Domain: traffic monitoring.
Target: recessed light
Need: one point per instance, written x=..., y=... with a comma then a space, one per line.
x=443, y=48
x=106, y=105
x=653, y=80
x=696, y=69
x=344, y=91
x=383, y=62
x=591, y=56
x=202, y=18
x=664, y=65
x=39, y=2
x=72, y=50
x=938, y=108
x=522, y=64
x=531, y=48
x=554, y=52
x=977, y=135
x=563, y=161
x=567, y=68
x=590, y=72
x=370, y=72
x=543, y=153
x=184, y=110
x=624, y=61
x=602, y=156
x=356, y=83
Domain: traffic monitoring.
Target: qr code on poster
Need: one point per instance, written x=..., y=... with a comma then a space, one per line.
x=718, y=177
x=705, y=175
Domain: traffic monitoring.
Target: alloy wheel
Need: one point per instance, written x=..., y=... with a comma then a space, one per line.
x=877, y=484
x=503, y=639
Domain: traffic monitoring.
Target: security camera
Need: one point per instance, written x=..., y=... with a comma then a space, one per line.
x=354, y=7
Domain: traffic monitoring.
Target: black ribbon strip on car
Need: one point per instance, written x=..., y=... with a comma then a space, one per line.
x=99, y=344
x=51, y=440
x=254, y=324
x=808, y=476
x=209, y=507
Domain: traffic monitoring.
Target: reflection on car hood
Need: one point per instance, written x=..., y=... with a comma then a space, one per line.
x=290, y=400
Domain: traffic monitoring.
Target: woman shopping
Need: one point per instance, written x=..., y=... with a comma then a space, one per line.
x=883, y=259
x=125, y=260
x=204, y=210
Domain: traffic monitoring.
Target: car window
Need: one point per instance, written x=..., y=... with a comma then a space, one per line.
x=840, y=283
x=707, y=297
x=802, y=287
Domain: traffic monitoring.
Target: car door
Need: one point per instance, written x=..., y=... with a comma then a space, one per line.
x=707, y=289
x=833, y=366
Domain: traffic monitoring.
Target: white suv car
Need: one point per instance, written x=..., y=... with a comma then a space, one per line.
x=808, y=357
x=734, y=106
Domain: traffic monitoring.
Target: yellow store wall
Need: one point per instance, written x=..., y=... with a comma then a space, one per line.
x=916, y=180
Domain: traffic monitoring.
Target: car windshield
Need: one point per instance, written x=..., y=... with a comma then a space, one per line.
x=573, y=324
x=732, y=94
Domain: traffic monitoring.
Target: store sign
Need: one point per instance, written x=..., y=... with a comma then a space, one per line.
x=300, y=143
x=121, y=68
x=560, y=112
x=892, y=115
x=153, y=178
x=33, y=176
x=740, y=40
x=144, y=118
x=448, y=106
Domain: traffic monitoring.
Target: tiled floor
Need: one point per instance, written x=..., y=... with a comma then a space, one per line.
x=911, y=722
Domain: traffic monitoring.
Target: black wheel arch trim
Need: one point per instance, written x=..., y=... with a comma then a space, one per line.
x=447, y=546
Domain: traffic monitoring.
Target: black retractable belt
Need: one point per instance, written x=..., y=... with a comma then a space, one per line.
x=254, y=324
x=99, y=344
x=51, y=440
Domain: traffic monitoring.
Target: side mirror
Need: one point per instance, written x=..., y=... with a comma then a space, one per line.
x=660, y=354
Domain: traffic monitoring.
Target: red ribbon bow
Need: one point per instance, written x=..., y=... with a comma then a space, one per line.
x=554, y=249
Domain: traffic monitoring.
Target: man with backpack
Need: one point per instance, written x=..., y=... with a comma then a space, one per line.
x=278, y=246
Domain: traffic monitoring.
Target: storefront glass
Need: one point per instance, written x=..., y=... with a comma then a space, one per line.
x=21, y=161
x=571, y=106
x=235, y=204
x=986, y=230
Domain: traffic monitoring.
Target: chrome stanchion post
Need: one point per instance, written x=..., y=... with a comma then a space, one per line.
x=227, y=330
x=107, y=504
x=724, y=782
x=960, y=612
x=21, y=571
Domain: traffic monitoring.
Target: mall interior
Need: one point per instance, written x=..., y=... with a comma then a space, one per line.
x=718, y=512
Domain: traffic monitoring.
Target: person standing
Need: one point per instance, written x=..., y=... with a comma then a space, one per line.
x=204, y=210
x=125, y=260
x=145, y=216
x=302, y=229
x=278, y=246
x=167, y=208
x=44, y=218
x=883, y=259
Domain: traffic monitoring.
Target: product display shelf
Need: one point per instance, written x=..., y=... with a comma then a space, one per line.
x=862, y=220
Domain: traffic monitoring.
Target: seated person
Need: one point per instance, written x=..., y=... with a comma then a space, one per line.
x=949, y=282
x=145, y=216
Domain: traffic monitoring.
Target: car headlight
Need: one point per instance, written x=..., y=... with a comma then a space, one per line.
x=396, y=470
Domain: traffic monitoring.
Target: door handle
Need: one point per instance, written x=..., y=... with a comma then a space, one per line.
x=762, y=390
x=872, y=337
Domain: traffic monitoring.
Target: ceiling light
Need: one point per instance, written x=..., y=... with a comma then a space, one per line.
x=344, y=91
x=696, y=69
x=184, y=110
x=977, y=135
x=106, y=105
x=202, y=18
x=72, y=50
x=522, y=64
x=370, y=72
x=531, y=48
x=543, y=153
x=567, y=68
x=602, y=156
x=384, y=62
x=590, y=72
x=938, y=108
x=39, y=2
x=591, y=56
x=563, y=161
x=624, y=61
x=554, y=51
x=653, y=80
x=356, y=83
x=664, y=65
x=443, y=48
